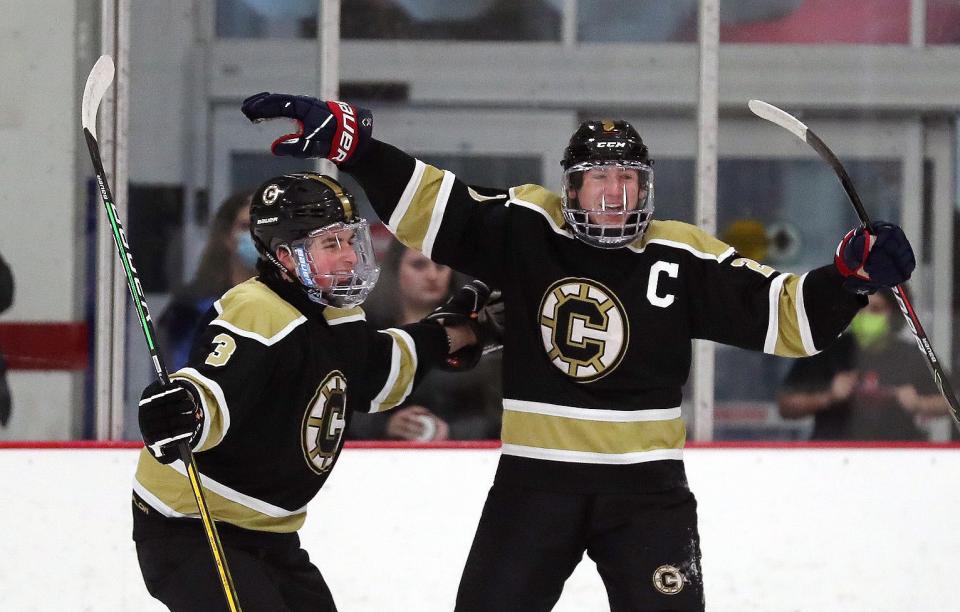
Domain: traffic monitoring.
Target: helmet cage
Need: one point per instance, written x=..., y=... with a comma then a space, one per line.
x=609, y=224
x=338, y=288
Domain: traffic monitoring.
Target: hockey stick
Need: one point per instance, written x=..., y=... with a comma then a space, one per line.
x=98, y=81
x=789, y=122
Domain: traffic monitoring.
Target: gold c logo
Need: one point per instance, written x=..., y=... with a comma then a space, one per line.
x=668, y=580
x=584, y=328
x=324, y=422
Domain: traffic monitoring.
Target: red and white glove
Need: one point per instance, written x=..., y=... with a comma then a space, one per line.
x=875, y=256
x=335, y=130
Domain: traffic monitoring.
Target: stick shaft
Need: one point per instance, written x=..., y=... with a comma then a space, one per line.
x=792, y=124
x=149, y=333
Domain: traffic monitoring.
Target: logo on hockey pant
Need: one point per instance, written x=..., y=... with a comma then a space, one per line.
x=584, y=328
x=324, y=423
x=668, y=580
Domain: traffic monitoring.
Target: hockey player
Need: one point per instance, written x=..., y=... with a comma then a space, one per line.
x=601, y=303
x=265, y=398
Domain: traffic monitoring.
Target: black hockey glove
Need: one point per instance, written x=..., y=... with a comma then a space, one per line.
x=335, y=130
x=169, y=414
x=875, y=256
x=475, y=305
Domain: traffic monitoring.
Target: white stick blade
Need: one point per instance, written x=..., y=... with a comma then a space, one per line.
x=779, y=117
x=98, y=82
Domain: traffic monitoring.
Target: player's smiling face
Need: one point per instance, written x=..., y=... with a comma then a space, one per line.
x=608, y=192
x=331, y=255
x=328, y=254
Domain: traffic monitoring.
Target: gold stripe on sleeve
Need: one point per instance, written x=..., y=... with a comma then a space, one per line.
x=413, y=226
x=400, y=383
x=789, y=341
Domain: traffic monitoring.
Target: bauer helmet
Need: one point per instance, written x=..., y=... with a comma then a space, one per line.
x=607, y=196
x=313, y=219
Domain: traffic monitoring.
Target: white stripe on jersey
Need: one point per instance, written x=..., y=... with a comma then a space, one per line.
x=591, y=414
x=684, y=247
x=396, y=361
x=347, y=319
x=539, y=210
x=436, y=217
x=773, y=322
x=237, y=497
x=277, y=337
x=217, y=392
x=406, y=198
x=552, y=454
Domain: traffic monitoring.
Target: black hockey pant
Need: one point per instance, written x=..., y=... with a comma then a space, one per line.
x=528, y=542
x=180, y=572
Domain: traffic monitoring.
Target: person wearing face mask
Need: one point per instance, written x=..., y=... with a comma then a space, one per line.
x=228, y=258
x=869, y=385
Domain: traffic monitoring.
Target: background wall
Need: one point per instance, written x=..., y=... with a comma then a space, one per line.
x=41, y=227
x=782, y=530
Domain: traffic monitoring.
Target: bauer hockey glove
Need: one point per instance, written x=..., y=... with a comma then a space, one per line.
x=875, y=256
x=169, y=414
x=475, y=305
x=335, y=130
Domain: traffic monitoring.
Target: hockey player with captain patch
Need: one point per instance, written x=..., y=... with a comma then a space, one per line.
x=267, y=394
x=601, y=303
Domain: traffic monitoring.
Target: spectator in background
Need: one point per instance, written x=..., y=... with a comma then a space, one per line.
x=869, y=385
x=446, y=405
x=6, y=300
x=228, y=258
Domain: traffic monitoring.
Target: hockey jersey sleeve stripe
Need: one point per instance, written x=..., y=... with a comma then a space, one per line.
x=773, y=319
x=167, y=489
x=439, y=208
x=417, y=224
x=527, y=429
x=216, y=413
x=803, y=321
x=403, y=368
x=592, y=414
x=788, y=329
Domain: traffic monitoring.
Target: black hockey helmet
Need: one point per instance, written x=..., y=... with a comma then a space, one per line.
x=289, y=207
x=607, y=195
x=297, y=214
x=605, y=140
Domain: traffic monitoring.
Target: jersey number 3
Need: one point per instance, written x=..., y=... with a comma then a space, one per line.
x=223, y=349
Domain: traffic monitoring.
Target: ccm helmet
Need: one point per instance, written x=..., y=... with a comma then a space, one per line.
x=313, y=219
x=607, y=196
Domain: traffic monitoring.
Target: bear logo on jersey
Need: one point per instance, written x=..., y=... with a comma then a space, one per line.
x=324, y=423
x=584, y=328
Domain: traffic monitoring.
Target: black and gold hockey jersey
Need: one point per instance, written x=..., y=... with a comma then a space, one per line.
x=278, y=377
x=597, y=343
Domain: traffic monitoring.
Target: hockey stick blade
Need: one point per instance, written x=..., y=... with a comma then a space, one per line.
x=98, y=82
x=793, y=125
x=796, y=127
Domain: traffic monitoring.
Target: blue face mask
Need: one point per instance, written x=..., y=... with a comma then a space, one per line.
x=246, y=250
